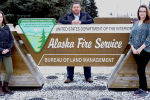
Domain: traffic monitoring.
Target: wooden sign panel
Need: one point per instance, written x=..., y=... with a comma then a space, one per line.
x=112, y=20
x=82, y=45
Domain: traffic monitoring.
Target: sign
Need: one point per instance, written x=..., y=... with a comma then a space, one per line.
x=37, y=31
x=82, y=45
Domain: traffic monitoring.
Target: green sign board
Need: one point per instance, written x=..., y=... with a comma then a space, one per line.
x=37, y=31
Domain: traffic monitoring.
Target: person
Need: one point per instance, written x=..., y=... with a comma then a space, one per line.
x=76, y=18
x=6, y=44
x=140, y=44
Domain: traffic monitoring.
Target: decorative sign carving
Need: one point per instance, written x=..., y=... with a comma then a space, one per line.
x=37, y=31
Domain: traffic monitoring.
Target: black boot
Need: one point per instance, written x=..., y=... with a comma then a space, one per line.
x=1, y=90
x=6, y=89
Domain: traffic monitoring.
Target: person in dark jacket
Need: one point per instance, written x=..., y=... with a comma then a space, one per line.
x=6, y=44
x=74, y=18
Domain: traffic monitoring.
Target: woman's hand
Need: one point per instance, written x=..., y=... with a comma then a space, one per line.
x=139, y=50
x=134, y=50
x=5, y=51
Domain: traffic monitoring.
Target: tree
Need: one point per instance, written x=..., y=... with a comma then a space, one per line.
x=90, y=7
x=16, y=9
x=85, y=5
x=93, y=9
x=80, y=1
x=42, y=41
x=65, y=6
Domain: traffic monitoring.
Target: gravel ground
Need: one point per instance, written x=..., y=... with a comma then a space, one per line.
x=79, y=89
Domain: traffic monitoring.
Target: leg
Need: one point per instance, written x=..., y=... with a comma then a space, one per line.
x=70, y=72
x=7, y=61
x=0, y=70
x=142, y=60
x=1, y=90
x=87, y=72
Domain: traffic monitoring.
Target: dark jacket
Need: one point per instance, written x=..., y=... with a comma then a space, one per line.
x=85, y=18
x=6, y=41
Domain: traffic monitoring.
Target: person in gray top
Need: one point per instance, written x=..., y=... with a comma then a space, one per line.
x=140, y=44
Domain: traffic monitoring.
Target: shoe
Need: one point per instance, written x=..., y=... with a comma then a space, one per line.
x=6, y=89
x=89, y=80
x=143, y=94
x=1, y=90
x=68, y=81
x=137, y=92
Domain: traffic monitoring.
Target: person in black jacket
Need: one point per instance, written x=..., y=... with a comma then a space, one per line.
x=77, y=17
x=6, y=44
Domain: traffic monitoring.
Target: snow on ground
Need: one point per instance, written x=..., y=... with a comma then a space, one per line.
x=79, y=89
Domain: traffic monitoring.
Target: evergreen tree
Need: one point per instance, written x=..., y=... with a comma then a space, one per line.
x=85, y=5
x=80, y=1
x=65, y=6
x=16, y=9
x=93, y=9
x=90, y=7
x=42, y=41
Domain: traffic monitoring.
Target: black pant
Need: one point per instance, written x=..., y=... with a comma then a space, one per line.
x=70, y=72
x=142, y=60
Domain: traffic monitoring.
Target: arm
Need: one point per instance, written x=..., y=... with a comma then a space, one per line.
x=141, y=48
x=65, y=20
x=11, y=41
x=134, y=50
x=1, y=50
x=88, y=20
x=146, y=42
x=131, y=42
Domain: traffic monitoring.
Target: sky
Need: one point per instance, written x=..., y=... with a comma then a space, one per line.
x=120, y=7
